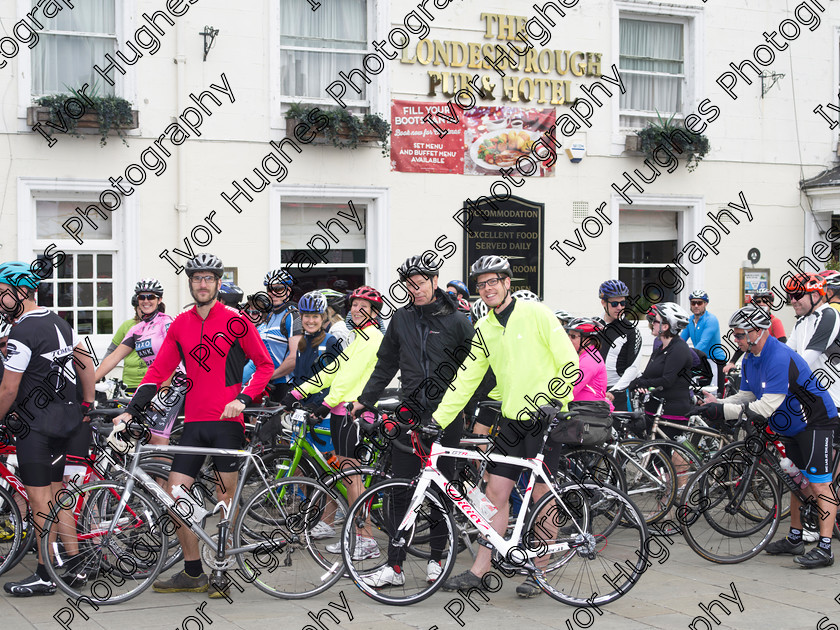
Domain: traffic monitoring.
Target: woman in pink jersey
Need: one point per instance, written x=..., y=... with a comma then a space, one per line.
x=592, y=383
x=145, y=338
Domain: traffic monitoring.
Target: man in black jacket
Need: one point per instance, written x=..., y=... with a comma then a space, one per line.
x=426, y=340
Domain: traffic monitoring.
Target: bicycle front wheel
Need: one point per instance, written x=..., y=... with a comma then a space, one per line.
x=293, y=523
x=589, y=568
x=718, y=506
x=118, y=560
x=11, y=532
x=370, y=546
x=651, y=479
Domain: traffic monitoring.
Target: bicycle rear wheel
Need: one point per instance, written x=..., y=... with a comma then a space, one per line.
x=126, y=561
x=594, y=568
x=410, y=551
x=651, y=479
x=717, y=523
x=281, y=519
x=12, y=547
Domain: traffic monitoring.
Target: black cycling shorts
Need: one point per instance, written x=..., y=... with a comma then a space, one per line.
x=523, y=439
x=41, y=459
x=209, y=434
x=811, y=450
x=344, y=435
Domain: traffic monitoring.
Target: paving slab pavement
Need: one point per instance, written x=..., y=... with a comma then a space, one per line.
x=774, y=593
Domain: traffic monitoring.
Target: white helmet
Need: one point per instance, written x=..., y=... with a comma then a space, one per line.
x=479, y=309
x=672, y=313
x=526, y=296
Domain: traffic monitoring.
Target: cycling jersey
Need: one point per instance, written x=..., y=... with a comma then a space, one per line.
x=620, y=347
x=777, y=328
x=146, y=337
x=670, y=368
x=214, y=352
x=779, y=370
x=133, y=366
x=813, y=337
x=705, y=336
x=313, y=359
x=532, y=357
x=353, y=369
x=282, y=325
x=592, y=382
x=40, y=347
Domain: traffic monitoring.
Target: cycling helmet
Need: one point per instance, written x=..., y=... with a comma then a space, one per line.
x=479, y=309
x=490, y=264
x=19, y=274
x=460, y=287
x=805, y=283
x=415, y=265
x=613, y=288
x=563, y=316
x=148, y=285
x=370, y=294
x=313, y=302
x=230, y=294
x=699, y=294
x=341, y=285
x=672, y=313
x=750, y=316
x=204, y=262
x=463, y=305
x=334, y=298
x=586, y=326
x=278, y=277
x=832, y=279
x=526, y=296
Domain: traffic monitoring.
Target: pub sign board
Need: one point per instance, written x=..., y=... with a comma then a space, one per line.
x=512, y=229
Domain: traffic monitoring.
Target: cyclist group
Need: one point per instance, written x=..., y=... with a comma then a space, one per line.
x=218, y=357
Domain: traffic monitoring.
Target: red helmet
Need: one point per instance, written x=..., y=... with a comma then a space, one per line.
x=805, y=283
x=585, y=326
x=370, y=294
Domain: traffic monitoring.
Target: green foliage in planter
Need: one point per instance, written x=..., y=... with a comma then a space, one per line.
x=343, y=123
x=113, y=112
x=675, y=138
x=833, y=264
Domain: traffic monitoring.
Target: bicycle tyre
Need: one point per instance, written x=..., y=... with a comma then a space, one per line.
x=704, y=512
x=287, y=510
x=625, y=551
x=122, y=555
x=416, y=587
x=11, y=544
x=652, y=486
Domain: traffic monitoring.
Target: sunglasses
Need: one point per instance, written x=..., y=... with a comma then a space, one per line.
x=796, y=296
x=697, y=302
x=739, y=336
x=617, y=303
x=761, y=301
x=147, y=296
x=253, y=311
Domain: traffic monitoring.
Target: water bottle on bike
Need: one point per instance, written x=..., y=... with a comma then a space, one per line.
x=790, y=468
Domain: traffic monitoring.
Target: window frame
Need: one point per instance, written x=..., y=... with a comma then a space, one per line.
x=125, y=85
x=691, y=211
x=377, y=254
x=378, y=90
x=694, y=34
x=125, y=250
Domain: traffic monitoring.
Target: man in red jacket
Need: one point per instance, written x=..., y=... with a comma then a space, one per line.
x=215, y=343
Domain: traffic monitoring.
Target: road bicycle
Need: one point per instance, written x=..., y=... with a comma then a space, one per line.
x=731, y=508
x=561, y=540
x=124, y=527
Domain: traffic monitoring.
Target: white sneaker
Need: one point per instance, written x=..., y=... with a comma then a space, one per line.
x=386, y=576
x=322, y=530
x=365, y=548
x=810, y=536
x=433, y=571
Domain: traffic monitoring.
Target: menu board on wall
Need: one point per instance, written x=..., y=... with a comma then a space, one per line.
x=478, y=141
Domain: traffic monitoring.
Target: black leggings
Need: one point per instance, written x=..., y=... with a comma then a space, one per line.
x=408, y=466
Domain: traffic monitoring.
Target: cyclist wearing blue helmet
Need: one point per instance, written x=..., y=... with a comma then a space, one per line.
x=621, y=342
x=44, y=362
x=281, y=333
x=457, y=287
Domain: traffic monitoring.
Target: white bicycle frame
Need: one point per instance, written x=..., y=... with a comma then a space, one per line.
x=431, y=475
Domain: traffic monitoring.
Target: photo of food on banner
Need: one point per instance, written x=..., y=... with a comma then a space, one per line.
x=502, y=137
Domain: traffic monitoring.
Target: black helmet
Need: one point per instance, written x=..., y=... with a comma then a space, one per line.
x=490, y=264
x=204, y=262
x=230, y=294
x=414, y=265
x=148, y=285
